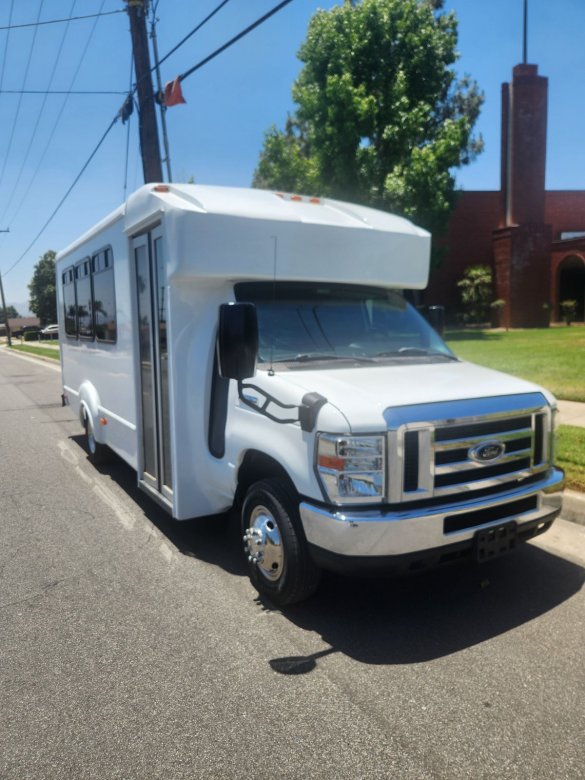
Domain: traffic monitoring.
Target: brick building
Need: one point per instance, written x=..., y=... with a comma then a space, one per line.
x=533, y=239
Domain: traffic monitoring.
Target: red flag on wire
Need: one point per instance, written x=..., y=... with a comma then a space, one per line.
x=173, y=93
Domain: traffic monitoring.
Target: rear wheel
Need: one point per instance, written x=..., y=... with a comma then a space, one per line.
x=97, y=453
x=279, y=563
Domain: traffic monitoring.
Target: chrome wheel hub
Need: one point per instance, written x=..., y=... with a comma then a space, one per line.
x=263, y=544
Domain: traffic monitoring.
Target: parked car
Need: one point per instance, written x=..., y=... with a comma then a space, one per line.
x=51, y=331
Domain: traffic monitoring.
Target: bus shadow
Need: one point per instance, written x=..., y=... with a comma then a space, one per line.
x=213, y=539
x=419, y=618
x=393, y=620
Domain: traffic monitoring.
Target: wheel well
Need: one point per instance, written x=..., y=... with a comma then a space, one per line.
x=256, y=466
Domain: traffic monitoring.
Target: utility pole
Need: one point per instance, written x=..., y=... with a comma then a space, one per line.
x=4, y=302
x=8, y=336
x=525, y=34
x=149, y=145
x=162, y=107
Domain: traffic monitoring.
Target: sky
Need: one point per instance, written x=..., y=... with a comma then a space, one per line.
x=216, y=137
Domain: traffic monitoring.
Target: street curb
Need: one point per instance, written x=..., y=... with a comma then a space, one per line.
x=41, y=358
x=573, y=507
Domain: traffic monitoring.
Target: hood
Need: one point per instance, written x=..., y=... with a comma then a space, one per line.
x=363, y=394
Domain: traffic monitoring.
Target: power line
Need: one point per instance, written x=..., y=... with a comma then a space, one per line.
x=187, y=73
x=14, y=188
x=58, y=21
x=59, y=115
x=193, y=31
x=16, y=116
x=235, y=39
x=64, y=198
x=6, y=47
x=63, y=92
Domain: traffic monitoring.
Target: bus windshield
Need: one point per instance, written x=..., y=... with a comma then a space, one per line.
x=302, y=323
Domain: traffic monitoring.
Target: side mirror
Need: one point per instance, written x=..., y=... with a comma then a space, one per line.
x=237, y=340
x=436, y=318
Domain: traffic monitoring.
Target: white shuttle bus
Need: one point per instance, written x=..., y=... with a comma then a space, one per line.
x=249, y=349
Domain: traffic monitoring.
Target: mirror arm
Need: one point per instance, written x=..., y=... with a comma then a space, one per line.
x=307, y=412
x=268, y=399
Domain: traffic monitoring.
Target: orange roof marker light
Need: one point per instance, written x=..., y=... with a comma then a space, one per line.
x=161, y=188
x=298, y=198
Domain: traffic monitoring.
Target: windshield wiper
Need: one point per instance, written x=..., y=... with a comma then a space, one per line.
x=415, y=351
x=308, y=357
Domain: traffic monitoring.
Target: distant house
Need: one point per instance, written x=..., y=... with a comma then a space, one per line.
x=17, y=324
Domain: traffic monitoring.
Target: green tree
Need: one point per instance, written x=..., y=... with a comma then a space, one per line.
x=43, y=294
x=476, y=292
x=381, y=118
x=11, y=313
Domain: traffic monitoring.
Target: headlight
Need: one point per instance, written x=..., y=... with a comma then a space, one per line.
x=352, y=469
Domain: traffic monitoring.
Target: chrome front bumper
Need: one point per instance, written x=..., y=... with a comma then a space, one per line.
x=378, y=533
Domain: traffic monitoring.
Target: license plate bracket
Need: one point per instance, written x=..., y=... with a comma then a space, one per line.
x=495, y=541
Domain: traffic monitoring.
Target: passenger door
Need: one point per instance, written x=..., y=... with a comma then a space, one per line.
x=155, y=469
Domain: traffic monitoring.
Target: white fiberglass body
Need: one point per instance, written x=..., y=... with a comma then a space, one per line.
x=139, y=296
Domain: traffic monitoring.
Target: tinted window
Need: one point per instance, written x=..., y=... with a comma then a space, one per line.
x=84, y=300
x=104, y=298
x=69, y=302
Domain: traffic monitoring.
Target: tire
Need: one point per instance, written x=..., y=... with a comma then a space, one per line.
x=97, y=453
x=279, y=563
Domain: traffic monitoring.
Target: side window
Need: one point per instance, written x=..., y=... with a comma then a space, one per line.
x=84, y=299
x=69, y=302
x=104, y=297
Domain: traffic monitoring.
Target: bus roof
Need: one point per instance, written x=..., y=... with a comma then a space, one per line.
x=320, y=230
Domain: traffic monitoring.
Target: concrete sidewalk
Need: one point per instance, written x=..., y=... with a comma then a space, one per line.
x=571, y=413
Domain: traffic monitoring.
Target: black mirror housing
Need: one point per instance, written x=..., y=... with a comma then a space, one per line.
x=237, y=340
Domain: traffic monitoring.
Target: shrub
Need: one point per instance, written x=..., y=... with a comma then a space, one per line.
x=569, y=310
x=476, y=292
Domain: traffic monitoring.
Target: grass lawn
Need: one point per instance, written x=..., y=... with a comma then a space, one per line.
x=55, y=354
x=551, y=357
x=571, y=455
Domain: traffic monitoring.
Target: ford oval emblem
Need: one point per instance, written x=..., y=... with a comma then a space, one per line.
x=487, y=452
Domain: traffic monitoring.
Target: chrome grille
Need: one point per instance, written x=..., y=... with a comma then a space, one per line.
x=439, y=447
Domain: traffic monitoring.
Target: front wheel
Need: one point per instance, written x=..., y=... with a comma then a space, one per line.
x=279, y=563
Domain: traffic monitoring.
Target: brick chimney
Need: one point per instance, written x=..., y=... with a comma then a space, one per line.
x=524, y=109
x=522, y=243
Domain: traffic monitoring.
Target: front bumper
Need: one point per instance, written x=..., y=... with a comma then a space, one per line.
x=406, y=533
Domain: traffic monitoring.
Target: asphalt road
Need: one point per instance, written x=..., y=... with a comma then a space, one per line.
x=134, y=647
